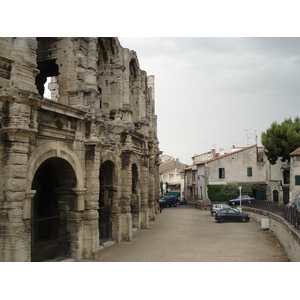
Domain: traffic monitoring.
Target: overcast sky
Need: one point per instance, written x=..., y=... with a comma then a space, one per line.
x=218, y=92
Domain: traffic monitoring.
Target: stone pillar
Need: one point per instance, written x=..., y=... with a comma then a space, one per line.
x=24, y=66
x=152, y=202
x=144, y=191
x=126, y=191
x=91, y=215
x=16, y=233
x=15, y=135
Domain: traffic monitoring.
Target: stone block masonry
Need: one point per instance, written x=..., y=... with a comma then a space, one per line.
x=287, y=235
x=79, y=169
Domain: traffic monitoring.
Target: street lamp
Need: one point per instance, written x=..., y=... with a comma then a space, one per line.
x=240, y=188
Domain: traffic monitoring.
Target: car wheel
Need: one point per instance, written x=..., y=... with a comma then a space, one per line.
x=233, y=203
x=249, y=202
x=175, y=205
x=243, y=220
x=221, y=220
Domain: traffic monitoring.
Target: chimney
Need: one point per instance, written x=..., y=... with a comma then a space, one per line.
x=213, y=153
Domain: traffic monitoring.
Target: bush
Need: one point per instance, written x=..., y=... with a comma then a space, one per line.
x=225, y=192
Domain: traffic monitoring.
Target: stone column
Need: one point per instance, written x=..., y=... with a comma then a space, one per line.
x=24, y=66
x=124, y=205
x=15, y=134
x=91, y=215
x=16, y=233
x=151, y=201
x=144, y=191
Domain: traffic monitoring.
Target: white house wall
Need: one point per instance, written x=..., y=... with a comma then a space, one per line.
x=235, y=166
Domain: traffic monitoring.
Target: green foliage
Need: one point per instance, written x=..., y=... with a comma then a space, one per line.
x=281, y=139
x=224, y=192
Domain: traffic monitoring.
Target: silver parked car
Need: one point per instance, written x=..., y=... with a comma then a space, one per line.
x=245, y=198
x=216, y=207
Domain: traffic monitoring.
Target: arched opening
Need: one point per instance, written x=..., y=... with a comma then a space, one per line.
x=134, y=171
x=275, y=196
x=134, y=92
x=46, y=81
x=49, y=237
x=135, y=197
x=106, y=196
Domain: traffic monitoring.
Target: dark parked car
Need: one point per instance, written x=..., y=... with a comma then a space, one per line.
x=168, y=201
x=245, y=198
x=231, y=215
x=182, y=201
x=215, y=207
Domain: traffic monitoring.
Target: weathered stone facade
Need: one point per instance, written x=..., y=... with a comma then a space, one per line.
x=81, y=168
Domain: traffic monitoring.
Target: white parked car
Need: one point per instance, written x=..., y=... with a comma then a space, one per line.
x=216, y=207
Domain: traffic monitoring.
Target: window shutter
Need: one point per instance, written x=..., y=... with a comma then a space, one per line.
x=249, y=172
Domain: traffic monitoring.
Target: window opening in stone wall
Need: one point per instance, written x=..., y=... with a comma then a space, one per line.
x=100, y=94
x=135, y=177
x=106, y=196
x=249, y=171
x=286, y=177
x=51, y=88
x=47, y=69
x=221, y=173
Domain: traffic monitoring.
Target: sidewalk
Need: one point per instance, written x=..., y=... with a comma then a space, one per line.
x=186, y=234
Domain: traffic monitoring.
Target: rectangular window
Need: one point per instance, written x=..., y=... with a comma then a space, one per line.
x=221, y=173
x=286, y=177
x=297, y=180
x=249, y=171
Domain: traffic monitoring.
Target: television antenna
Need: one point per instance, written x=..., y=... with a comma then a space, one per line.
x=247, y=134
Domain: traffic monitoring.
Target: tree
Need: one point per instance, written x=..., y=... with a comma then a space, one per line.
x=281, y=139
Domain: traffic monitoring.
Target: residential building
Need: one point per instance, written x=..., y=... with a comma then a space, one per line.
x=294, y=175
x=170, y=174
x=190, y=185
x=242, y=166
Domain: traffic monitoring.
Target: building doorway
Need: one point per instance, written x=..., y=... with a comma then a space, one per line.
x=49, y=235
x=275, y=196
x=106, y=196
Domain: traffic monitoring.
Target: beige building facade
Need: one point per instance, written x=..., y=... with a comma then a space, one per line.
x=170, y=172
x=247, y=165
x=79, y=168
x=294, y=175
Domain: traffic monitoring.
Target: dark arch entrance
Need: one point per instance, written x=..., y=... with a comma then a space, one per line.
x=275, y=196
x=49, y=236
x=135, y=178
x=135, y=199
x=106, y=195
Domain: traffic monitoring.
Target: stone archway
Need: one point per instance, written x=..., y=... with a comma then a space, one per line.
x=49, y=231
x=106, y=197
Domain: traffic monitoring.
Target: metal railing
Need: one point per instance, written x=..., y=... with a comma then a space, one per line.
x=290, y=214
x=50, y=239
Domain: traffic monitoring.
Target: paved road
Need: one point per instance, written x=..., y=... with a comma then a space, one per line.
x=186, y=234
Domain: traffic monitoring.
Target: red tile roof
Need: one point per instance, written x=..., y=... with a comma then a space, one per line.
x=224, y=155
x=296, y=152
